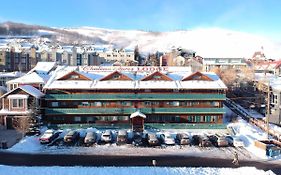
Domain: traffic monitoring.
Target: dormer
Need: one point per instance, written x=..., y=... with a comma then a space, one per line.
x=74, y=75
x=116, y=76
x=197, y=76
x=157, y=76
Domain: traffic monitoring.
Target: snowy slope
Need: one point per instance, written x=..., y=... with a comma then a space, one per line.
x=207, y=42
x=129, y=170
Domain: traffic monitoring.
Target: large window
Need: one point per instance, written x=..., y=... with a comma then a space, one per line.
x=17, y=103
x=55, y=104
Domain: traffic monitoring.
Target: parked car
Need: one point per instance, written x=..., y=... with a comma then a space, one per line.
x=183, y=139
x=204, y=141
x=90, y=138
x=122, y=137
x=229, y=140
x=71, y=136
x=237, y=142
x=195, y=139
x=213, y=139
x=107, y=137
x=33, y=131
x=139, y=139
x=152, y=139
x=167, y=139
x=48, y=136
x=222, y=141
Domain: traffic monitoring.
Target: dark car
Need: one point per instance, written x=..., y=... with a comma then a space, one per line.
x=71, y=136
x=122, y=137
x=33, y=131
x=229, y=140
x=90, y=138
x=204, y=141
x=183, y=139
x=152, y=139
x=139, y=138
x=48, y=136
x=213, y=139
x=195, y=140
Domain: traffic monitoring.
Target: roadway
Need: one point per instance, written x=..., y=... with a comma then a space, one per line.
x=26, y=159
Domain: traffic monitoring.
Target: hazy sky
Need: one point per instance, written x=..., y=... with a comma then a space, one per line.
x=253, y=16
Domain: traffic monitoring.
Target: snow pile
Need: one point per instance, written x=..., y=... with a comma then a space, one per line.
x=130, y=170
x=28, y=145
x=248, y=134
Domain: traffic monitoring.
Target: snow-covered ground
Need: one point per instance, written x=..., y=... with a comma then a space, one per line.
x=11, y=170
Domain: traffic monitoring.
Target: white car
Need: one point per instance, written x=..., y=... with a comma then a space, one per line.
x=237, y=142
x=48, y=136
x=167, y=139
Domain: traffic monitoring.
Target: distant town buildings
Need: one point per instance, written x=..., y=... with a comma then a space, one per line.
x=23, y=57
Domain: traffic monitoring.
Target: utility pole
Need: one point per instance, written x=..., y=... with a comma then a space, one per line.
x=268, y=109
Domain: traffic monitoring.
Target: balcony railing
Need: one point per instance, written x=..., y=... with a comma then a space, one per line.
x=128, y=111
x=112, y=97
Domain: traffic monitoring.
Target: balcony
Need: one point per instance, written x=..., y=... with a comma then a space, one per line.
x=128, y=111
x=123, y=97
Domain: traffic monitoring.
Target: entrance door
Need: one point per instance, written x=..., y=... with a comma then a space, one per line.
x=138, y=124
x=9, y=123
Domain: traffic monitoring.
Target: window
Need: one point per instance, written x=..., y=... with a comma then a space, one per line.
x=55, y=104
x=17, y=103
x=74, y=76
x=77, y=119
x=85, y=103
x=97, y=103
x=147, y=103
x=156, y=77
x=126, y=103
x=116, y=76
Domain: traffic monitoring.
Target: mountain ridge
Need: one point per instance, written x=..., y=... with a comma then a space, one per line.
x=207, y=42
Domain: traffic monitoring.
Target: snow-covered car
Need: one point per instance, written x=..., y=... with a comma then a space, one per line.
x=183, y=139
x=222, y=141
x=122, y=137
x=139, y=138
x=90, y=138
x=204, y=141
x=152, y=139
x=237, y=142
x=167, y=139
x=107, y=136
x=48, y=136
x=71, y=136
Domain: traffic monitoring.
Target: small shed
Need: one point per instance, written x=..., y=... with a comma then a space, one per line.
x=137, y=120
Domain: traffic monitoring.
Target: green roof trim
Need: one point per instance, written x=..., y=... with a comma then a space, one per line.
x=123, y=97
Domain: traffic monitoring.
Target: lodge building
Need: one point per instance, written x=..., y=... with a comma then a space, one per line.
x=118, y=94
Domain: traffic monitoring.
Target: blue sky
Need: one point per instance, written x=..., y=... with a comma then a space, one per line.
x=253, y=16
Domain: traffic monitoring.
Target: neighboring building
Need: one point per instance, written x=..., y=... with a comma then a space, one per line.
x=93, y=94
x=261, y=84
x=272, y=67
x=223, y=63
x=36, y=77
x=18, y=105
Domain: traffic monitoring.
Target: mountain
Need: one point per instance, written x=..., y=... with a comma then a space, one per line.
x=206, y=42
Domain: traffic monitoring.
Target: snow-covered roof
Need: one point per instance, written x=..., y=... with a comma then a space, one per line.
x=30, y=78
x=15, y=74
x=96, y=80
x=137, y=114
x=32, y=91
x=43, y=67
x=28, y=89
